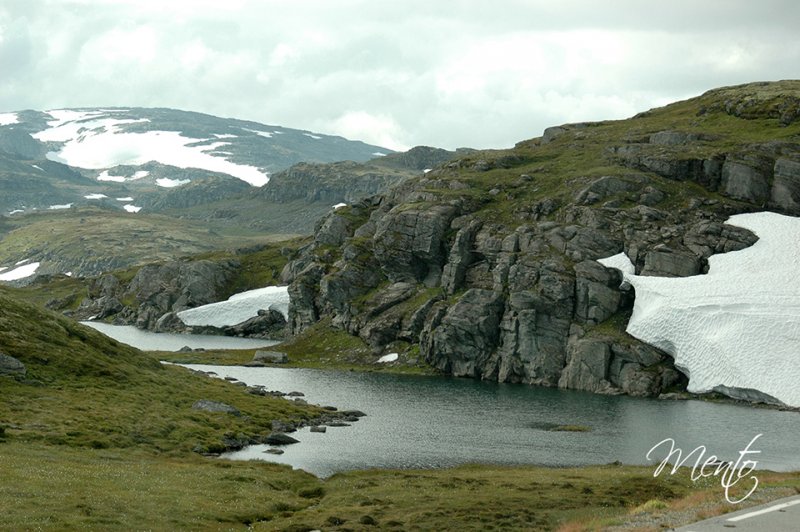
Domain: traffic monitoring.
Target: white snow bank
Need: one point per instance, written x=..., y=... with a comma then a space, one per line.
x=315, y=137
x=391, y=357
x=59, y=207
x=16, y=211
x=339, y=206
x=95, y=196
x=240, y=307
x=171, y=183
x=6, y=119
x=125, y=199
x=139, y=174
x=20, y=273
x=132, y=208
x=738, y=327
x=378, y=154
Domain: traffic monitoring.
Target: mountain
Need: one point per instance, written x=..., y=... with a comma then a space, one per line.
x=487, y=266
x=122, y=157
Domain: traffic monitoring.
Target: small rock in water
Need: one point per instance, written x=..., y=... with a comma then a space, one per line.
x=319, y=429
x=296, y=394
x=338, y=424
x=274, y=450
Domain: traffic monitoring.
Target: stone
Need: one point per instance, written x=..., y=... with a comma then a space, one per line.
x=11, y=367
x=280, y=438
x=274, y=450
x=269, y=323
x=271, y=357
x=668, y=263
x=318, y=429
x=215, y=406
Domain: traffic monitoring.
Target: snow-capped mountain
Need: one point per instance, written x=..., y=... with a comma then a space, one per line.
x=64, y=157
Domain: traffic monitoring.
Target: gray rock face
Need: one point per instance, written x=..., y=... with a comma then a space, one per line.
x=409, y=244
x=269, y=323
x=747, y=180
x=11, y=367
x=466, y=335
x=786, y=185
x=159, y=291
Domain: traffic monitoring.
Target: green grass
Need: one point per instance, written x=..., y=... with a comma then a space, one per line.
x=83, y=389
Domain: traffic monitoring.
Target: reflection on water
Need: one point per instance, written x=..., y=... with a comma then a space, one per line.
x=428, y=422
x=150, y=341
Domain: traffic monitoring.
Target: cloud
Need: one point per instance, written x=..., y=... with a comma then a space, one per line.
x=462, y=73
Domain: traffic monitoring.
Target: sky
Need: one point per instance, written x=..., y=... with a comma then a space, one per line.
x=481, y=74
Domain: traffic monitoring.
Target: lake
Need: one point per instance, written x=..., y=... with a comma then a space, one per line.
x=431, y=422
x=150, y=341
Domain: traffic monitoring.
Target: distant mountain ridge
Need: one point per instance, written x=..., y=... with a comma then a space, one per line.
x=89, y=155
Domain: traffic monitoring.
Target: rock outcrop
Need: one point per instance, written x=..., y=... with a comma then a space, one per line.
x=487, y=264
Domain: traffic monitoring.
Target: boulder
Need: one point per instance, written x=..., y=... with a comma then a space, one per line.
x=666, y=262
x=270, y=357
x=215, y=406
x=11, y=367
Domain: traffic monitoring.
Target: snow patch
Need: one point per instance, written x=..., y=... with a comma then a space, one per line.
x=171, y=183
x=6, y=119
x=93, y=141
x=266, y=134
x=21, y=262
x=737, y=328
x=225, y=136
x=427, y=170
x=104, y=176
x=139, y=174
x=239, y=307
x=339, y=206
x=132, y=208
x=16, y=211
x=125, y=199
x=391, y=357
x=315, y=137
x=95, y=196
x=59, y=207
x=20, y=273
x=37, y=167
x=379, y=154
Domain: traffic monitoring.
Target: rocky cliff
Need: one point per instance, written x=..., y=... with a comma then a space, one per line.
x=486, y=266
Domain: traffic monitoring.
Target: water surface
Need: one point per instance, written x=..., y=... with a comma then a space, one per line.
x=150, y=341
x=430, y=422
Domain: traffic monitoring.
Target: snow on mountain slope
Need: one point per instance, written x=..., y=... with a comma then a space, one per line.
x=94, y=141
x=735, y=330
x=8, y=119
x=239, y=307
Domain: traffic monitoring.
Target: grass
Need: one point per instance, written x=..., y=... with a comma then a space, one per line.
x=83, y=389
x=321, y=346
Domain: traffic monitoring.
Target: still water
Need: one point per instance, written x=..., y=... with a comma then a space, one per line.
x=430, y=422
x=150, y=341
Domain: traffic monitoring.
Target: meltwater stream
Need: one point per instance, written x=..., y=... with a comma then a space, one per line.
x=431, y=422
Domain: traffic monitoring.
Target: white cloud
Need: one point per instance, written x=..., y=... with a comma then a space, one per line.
x=378, y=129
x=469, y=74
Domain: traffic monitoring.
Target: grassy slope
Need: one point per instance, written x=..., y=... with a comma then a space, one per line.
x=115, y=238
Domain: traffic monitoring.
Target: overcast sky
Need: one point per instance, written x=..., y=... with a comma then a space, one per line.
x=482, y=74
